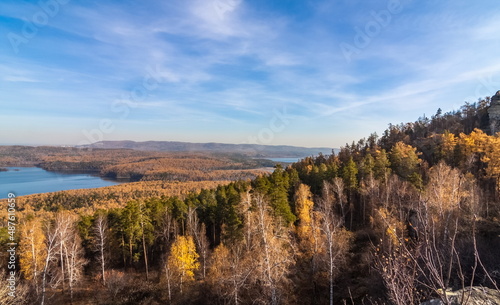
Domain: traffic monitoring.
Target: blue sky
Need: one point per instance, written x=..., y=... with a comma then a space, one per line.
x=307, y=73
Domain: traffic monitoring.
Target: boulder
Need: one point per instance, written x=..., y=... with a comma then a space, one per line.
x=470, y=296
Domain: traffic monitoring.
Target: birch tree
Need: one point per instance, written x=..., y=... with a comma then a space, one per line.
x=32, y=251
x=229, y=273
x=70, y=253
x=335, y=240
x=100, y=230
x=183, y=260
x=51, y=246
x=271, y=253
x=75, y=261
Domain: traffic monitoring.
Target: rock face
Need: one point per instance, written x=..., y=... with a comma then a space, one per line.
x=470, y=296
x=494, y=113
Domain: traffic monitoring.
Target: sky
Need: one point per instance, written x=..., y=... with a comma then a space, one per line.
x=294, y=72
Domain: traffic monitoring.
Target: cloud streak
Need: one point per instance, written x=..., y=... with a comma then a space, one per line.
x=224, y=65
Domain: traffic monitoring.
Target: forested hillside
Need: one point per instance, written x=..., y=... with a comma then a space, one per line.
x=250, y=150
x=397, y=219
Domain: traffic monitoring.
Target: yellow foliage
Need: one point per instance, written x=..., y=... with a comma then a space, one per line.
x=449, y=143
x=184, y=258
x=488, y=149
x=220, y=257
x=303, y=207
x=390, y=224
x=392, y=234
x=475, y=142
x=31, y=248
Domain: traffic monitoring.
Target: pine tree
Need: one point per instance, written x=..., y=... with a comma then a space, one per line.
x=278, y=195
x=131, y=227
x=381, y=168
x=349, y=174
x=367, y=166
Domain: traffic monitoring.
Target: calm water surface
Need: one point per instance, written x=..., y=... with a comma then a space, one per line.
x=32, y=180
x=285, y=160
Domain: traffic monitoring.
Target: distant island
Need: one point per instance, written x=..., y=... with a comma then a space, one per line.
x=251, y=150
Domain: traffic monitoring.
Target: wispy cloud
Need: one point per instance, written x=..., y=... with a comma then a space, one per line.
x=223, y=65
x=21, y=79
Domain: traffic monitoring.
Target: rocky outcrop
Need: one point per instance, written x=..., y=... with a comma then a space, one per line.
x=470, y=296
x=494, y=113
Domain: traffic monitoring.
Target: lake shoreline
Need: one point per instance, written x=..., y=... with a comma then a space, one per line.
x=33, y=180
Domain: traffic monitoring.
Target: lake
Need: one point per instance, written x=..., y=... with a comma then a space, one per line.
x=32, y=180
x=285, y=160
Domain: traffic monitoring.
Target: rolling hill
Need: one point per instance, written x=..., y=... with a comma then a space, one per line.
x=252, y=150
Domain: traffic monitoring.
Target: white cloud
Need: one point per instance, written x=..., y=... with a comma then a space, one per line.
x=216, y=18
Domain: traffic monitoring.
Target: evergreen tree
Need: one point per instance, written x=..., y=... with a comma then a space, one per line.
x=349, y=174
x=381, y=168
x=278, y=195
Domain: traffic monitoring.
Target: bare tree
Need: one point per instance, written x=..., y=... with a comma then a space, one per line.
x=334, y=239
x=427, y=255
x=199, y=233
x=142, y=221
x=399, y=273
x=65, y=251
x=337, y=186
x=9, y=297
x=370, y=189
x=169, y=274
x=438, y=217
x=168, y=230
x=100, y=230
x=271, y=253
x=230, y=271
x=51, y=246
x=203, y=247
x=191, y=221
x=75, y=261
x=63, y=224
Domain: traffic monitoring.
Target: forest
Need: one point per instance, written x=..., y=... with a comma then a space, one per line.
x=134, y=165
x=406, y=217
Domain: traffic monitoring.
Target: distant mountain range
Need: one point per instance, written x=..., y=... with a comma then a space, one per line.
x=252, y=150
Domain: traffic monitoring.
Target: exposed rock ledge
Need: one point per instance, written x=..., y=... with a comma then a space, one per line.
x=494, y=113
x=470, y=296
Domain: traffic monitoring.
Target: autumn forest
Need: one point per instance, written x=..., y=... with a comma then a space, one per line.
x=399, y=218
